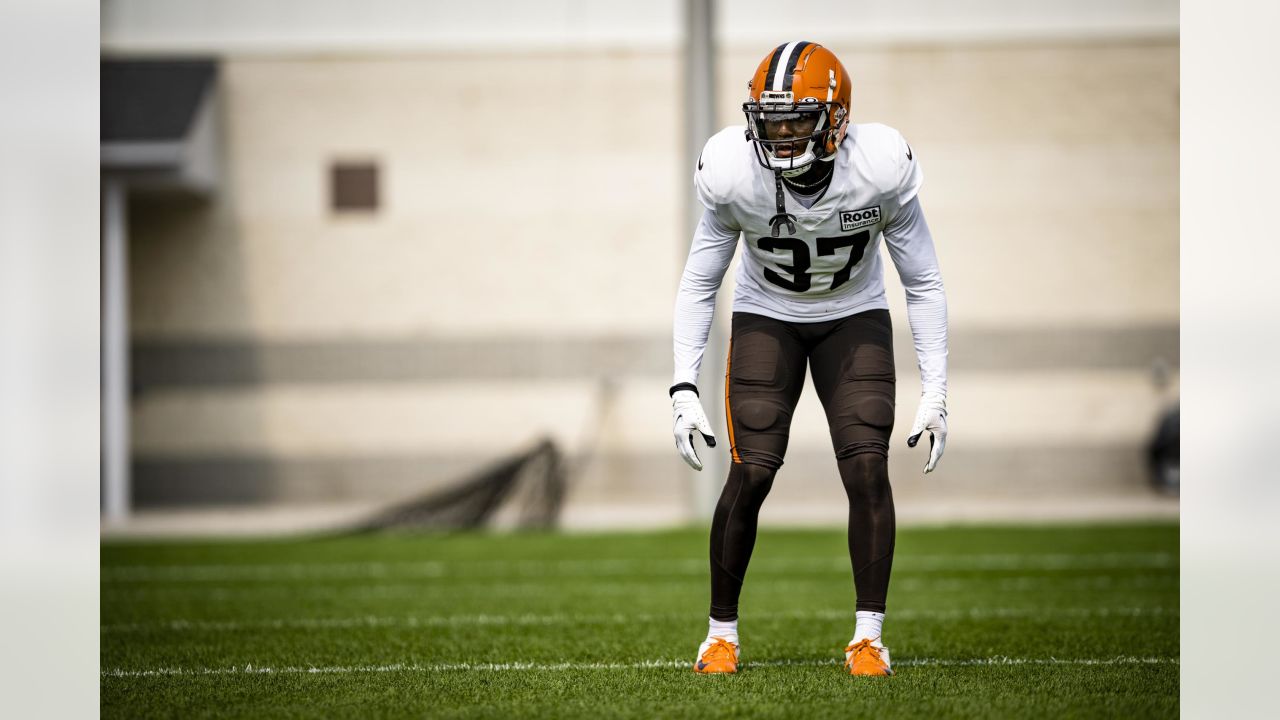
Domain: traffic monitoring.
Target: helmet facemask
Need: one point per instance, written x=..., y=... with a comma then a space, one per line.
x=789, y=136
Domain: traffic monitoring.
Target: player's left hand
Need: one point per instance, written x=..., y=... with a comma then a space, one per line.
x=932, y=416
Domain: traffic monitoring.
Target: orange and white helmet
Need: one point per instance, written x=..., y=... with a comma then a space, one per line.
x=794, y=80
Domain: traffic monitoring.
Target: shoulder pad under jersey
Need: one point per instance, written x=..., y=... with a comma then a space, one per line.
x=724, y=167
x=892, y=162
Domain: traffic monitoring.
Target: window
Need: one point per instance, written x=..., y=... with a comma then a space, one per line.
x=353, y=186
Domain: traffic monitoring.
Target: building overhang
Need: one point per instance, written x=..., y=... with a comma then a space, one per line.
x=160, y=124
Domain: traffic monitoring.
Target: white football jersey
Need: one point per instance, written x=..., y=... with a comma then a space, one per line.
x=831, y=266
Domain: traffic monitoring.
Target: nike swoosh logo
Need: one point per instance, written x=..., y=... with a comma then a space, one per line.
x=908, y=154
x=699, y=161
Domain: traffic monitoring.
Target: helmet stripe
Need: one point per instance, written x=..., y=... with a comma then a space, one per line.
x=773, y=67
x=781, y=59
x=790, y=73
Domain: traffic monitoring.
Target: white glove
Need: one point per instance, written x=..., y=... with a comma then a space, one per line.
x=687, y=416
x=931, y=416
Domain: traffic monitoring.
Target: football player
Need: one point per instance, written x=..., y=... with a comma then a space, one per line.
x=810, y=195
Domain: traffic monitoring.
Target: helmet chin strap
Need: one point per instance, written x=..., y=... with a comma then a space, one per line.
x=809, y=149
x=815, y=173
x=783, y=216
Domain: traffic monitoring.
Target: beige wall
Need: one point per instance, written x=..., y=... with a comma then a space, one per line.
x=535, y=200
x=513, y=189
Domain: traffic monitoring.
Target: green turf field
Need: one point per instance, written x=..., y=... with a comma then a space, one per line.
x=983, y=622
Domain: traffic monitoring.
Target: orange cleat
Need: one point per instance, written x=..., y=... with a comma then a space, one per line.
x=867, y=657
x=720, y=656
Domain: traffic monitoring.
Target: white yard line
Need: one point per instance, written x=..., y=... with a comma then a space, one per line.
x=998, y=660
x=615, y=586
x=291, y=571
x=412, y=621
x=610, y=567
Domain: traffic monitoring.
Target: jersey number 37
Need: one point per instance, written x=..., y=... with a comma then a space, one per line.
x=801, y=280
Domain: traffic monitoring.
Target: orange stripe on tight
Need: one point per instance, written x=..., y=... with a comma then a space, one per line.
x=728, y=414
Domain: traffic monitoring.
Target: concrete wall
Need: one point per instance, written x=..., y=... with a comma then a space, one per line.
x=239, y=27
x=519, y=279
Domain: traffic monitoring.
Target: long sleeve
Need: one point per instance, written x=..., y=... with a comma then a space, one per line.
x=911, y=248
x=710, y=253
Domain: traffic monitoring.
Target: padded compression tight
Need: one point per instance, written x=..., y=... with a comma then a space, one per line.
x=872, y=527
x=733, y=534
x=852, y=363
x=871, y=531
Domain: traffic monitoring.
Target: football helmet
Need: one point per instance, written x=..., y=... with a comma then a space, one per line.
x=801, y=87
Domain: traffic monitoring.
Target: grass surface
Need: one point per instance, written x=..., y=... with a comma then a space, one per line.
x=983, y=622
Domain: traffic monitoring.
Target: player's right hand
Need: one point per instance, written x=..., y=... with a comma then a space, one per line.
x=687, y=416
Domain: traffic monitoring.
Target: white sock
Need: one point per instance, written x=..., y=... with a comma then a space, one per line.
x=869, y=625
x=727, y=629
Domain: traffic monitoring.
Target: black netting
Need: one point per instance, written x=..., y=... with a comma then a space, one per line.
x=530, y=486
